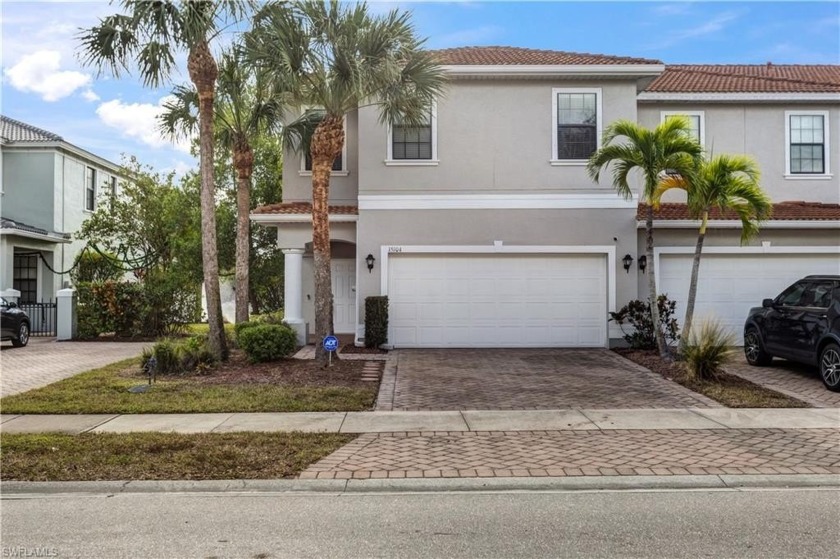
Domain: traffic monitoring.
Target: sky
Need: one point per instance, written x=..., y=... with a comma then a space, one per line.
x=44, y=83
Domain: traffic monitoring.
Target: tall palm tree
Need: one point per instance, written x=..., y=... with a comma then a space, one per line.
x=725, y=183
x=244, y=108
x=336, y=57
x=667, y=150
x=148, y=37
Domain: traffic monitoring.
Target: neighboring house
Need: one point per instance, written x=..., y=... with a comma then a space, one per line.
x=49, y=187
x=487, y=232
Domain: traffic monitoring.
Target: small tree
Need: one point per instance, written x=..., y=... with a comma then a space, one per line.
x=726, y=183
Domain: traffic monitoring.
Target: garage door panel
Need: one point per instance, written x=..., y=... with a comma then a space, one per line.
x=730, y=284
x=498, y=300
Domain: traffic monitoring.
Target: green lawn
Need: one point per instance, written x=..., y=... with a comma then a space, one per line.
x=105, y=390
x=165, y=456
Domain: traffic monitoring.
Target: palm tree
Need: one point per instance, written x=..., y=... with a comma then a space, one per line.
x=335, y=57
x=725, y=182
x=148, y=36
x=244, y=108
x=667, y=150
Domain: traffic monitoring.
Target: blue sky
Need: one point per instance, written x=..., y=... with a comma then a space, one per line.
x=44, y=84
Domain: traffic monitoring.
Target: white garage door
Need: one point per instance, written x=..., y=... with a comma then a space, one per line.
x=497, y=300
x=730, y=284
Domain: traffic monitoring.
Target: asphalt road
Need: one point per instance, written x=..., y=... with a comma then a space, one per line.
x=759, y=523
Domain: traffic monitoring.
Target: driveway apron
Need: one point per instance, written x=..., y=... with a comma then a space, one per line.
x=520, y=379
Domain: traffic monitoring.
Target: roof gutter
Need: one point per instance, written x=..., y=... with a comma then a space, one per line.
x=735, y=224
x=33, y=235
x=652, y=96
x=271, y=219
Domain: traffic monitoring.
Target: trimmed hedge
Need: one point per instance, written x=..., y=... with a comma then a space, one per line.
x=376, y=321
x=266, y=342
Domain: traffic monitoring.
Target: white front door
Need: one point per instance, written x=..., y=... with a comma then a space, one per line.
x=344, y=295
x=527, y=300
x=730, y=284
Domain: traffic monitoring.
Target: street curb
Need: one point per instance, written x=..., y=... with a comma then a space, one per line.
x=361, y=486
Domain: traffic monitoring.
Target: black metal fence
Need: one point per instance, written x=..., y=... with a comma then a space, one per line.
x=42, y=317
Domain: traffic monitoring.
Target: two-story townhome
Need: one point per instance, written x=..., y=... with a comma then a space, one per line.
x=484, y=229
x=49, y=187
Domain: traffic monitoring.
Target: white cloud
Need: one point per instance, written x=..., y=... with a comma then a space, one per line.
x=40, y=72
x=89, y=95
x=710, y=27
x=139, y=121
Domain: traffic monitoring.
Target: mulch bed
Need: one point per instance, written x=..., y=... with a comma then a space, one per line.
x=292, y=372
x=730, y=390
x=351, y=348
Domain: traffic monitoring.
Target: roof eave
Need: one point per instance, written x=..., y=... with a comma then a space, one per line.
x=653, y=96
x=513, y=70
x=34, y=235
x=269, y=219
x=736, y=224
x=75, y=150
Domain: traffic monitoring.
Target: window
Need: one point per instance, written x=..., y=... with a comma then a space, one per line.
x=807, y=143
x=25, y=277
x=577, y=124
x=90, y=189
x=113, y=187
x=696, y=122
x=415, y=145
x=338, y=167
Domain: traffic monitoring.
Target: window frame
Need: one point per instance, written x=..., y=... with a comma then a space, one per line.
x=90, y=186
x=826, y=173
x=389, y=154
x=16, y=279
x=663, y=116
x=599, y=123
x=304, y=172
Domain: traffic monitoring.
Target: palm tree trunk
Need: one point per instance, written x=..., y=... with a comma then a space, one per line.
x=243, y=162
x=203, y=71
x=654, y=305
x=326, y=144
x=692, y=287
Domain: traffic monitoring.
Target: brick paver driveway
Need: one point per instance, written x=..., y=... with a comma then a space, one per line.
x=794, y=379
x=584, y=453
x=45, y=361
x=503, y=379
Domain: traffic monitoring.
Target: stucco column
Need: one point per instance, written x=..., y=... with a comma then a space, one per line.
x=11, y=295
x=65, y=328
x=293, y=293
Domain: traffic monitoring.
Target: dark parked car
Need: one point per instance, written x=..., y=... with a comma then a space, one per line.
x=15, y=324
x=802, y=324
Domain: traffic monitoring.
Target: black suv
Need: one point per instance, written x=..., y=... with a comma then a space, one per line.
x=801, y=324
x=15, y=323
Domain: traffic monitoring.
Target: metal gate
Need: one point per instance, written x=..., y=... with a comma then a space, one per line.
x=42, y=317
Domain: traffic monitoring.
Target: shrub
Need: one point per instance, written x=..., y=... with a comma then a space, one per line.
x=709, y=348
x=637, y=314
x=376, y=321
x=267, y=342
x=268, y=318
x=239, y=327
x=93, y=266
x=176, y=357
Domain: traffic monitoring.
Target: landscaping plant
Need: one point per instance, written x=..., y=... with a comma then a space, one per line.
x=267, y=342
x=376, y=321
x=637, y=315
x=709, y=348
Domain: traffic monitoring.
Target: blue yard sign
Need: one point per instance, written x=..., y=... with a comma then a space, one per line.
x=331, y=343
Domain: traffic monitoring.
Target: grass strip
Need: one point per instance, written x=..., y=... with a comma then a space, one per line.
x=162, y=456
x=105, y=390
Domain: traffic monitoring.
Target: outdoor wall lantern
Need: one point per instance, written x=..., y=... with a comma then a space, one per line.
x=642, y=263
x=627, y=260
x=370, y=260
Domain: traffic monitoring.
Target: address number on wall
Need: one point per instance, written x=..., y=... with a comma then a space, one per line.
x=394, y=249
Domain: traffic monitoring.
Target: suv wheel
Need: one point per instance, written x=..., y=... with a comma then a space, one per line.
x=22, y=335
x=830, y=367
x=754, y=350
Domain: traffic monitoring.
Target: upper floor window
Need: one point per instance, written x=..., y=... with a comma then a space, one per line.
x=806, y=134
x=414, y=144
x=113, y=187
x=90, y=189
x=577, y=124
x=696, y=123
x=339, y=165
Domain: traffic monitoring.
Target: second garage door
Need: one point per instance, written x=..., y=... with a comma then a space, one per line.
x=730, y=284
x=461, y=300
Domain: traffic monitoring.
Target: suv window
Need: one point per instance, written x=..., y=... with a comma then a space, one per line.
x=793, y=295
x=821, y=295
